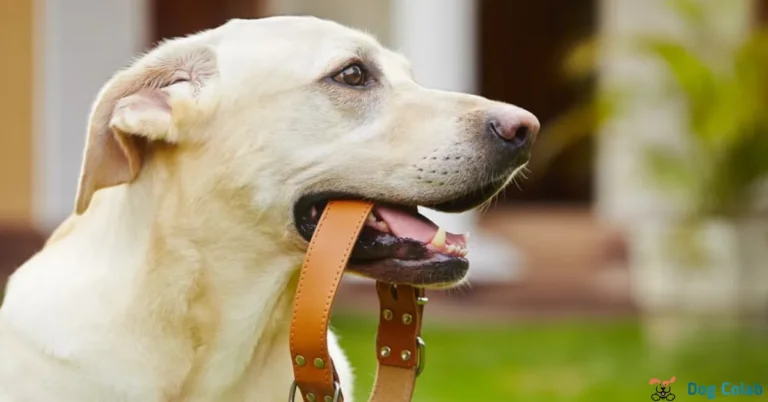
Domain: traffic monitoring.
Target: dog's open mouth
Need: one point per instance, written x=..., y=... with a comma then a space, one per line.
x=397, y=245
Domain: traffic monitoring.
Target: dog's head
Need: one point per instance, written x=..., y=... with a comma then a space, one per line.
x=297, y=111
x=666, y=385
x=662, y=386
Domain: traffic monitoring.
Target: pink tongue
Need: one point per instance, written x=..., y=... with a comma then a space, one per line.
x=404, y=224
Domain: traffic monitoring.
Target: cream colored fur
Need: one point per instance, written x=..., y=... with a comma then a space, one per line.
x=173, y=281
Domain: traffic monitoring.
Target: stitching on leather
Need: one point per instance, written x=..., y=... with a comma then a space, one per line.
x=302, y=277
x=311, y=247
x=332, y=290
x=328, y=374
x=323, y=331
x=339, y=271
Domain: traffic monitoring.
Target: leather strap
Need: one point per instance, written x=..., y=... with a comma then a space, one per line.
x=398, y=342
x=399, y=348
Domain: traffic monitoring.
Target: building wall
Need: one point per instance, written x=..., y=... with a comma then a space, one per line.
x=369, y=15
x=81, y=44
x=16, y=81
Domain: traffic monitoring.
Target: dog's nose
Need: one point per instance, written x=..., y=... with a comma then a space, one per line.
x=515, y=126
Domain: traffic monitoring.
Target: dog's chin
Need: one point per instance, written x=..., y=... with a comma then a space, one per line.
x=436, y=272
x=397, y=244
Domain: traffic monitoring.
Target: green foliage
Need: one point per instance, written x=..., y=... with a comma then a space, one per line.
x=726, y=103
x=587, y=117
x=725, y=94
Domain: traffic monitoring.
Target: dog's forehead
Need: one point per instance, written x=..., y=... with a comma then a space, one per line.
x=300, y=46
x=396, y=66
x=296, y=36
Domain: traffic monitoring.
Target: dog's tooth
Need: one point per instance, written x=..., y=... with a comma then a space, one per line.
x=439, y=240
x=371, y=217
x=384, y=227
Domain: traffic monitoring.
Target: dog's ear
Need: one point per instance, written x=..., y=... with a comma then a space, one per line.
x=671, y=380
x=654, y=381
x=137, y=106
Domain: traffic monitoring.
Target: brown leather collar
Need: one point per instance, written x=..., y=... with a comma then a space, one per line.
x=399, y=347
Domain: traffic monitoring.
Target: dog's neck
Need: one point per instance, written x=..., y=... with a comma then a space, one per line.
x=204, y=283
x=241, y=274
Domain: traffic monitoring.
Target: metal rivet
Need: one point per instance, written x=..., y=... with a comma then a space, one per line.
x=407, y=318
x=319, y=363
x=387, y=313
x=300, y=360
x=421, y=301
x=311, y=397
x=328, y=398
x=405, y=355
x=385, y=351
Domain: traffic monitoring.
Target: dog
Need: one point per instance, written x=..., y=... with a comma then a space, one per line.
x=207, y=164
x=663, y=389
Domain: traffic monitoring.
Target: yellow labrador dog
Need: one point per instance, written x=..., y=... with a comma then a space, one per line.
x=207, y=165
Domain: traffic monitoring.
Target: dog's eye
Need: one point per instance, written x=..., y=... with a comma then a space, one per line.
x=354, y=76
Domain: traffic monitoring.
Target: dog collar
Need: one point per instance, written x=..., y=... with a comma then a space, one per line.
x=399, y=347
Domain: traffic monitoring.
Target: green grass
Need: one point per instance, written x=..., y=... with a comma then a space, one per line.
x=575, y=361
x=565, y=361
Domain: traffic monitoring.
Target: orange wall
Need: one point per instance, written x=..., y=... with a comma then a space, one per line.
x=16, y=70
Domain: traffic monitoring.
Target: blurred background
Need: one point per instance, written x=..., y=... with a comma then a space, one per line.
x=640, y=232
